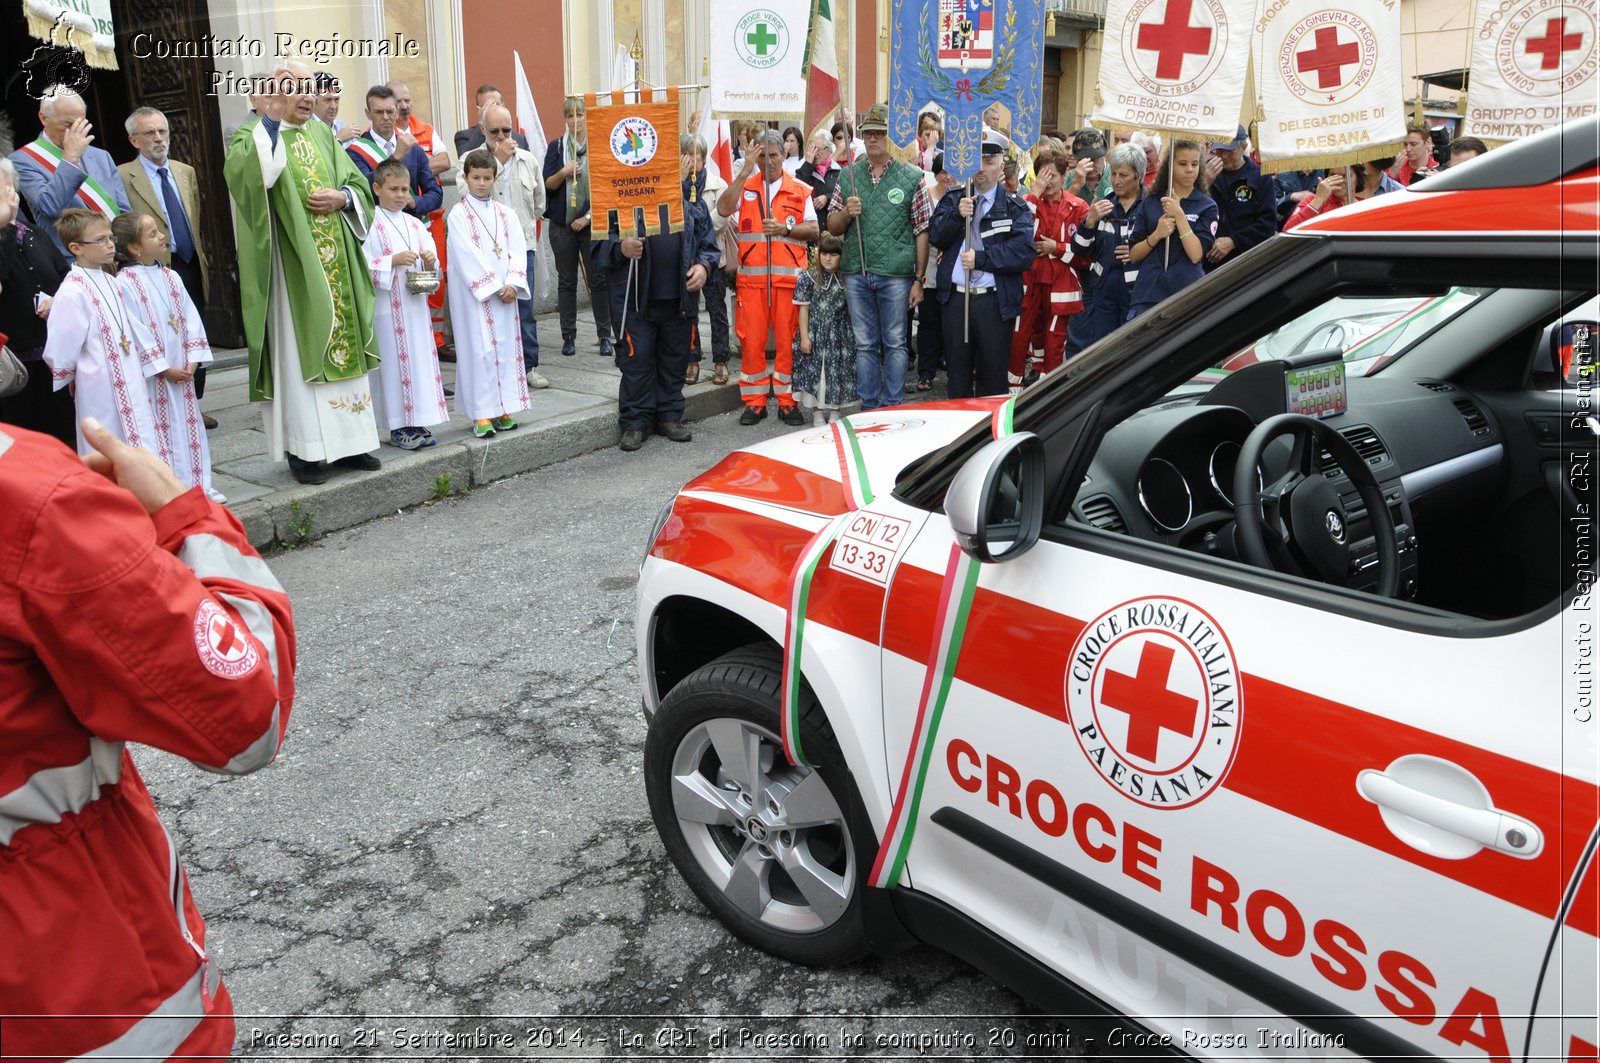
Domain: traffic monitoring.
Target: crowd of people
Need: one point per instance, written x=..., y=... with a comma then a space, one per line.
x=824, y=243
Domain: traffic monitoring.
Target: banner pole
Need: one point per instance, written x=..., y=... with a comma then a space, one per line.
x=1166, y=249
x=966, y=310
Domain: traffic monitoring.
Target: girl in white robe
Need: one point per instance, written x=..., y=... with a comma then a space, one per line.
x=165, y=317
x=407, y=390
x=91, y=345
x=488, y=274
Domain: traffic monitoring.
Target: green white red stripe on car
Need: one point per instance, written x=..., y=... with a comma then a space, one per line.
x=794, y=635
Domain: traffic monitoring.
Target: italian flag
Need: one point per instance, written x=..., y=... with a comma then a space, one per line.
x=821, y=69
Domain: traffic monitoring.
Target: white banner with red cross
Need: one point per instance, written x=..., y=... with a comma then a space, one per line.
x=1534, y=65
x=1176, y=65
x=1331, y=86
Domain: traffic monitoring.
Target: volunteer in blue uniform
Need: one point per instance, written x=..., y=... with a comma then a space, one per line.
x=655, y=299
x=1247, y=207
x=1104, y=236
x=1173, y=229
x=981, y=269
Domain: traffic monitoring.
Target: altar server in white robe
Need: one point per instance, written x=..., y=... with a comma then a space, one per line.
x=488, y=274
x=91, y=346
x=164, y=316
x=407, y=388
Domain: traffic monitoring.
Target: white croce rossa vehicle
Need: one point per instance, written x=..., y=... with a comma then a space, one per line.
x=1259, y=711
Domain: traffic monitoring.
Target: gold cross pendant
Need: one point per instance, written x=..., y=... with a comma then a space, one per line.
x=127, y=345
x=176, y=322
x=497, y=249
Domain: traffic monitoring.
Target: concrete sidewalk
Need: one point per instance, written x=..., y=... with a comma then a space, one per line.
x=576, y=414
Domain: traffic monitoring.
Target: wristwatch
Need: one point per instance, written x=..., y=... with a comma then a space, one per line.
x=788, y=227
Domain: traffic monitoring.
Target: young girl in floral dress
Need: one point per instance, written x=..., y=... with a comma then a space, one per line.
x=825, y=349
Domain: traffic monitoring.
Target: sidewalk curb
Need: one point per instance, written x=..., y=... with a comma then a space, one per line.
x=409, y=479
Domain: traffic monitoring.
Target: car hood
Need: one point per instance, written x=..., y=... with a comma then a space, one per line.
x=804, y=470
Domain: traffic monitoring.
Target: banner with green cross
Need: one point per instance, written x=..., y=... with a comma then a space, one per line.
x=757, y=48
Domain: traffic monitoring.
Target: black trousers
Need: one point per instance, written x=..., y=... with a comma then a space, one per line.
x=985, y=354
x=574, y=259
x=715, y=294
x=930, y=336
x=194, y=284
x=40, y=408
x=653, y=355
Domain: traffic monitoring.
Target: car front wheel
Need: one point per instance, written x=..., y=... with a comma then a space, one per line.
x=774, y=850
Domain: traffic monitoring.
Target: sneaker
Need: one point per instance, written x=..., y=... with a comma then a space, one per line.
x=674, y=431
x=792, y=415
x=536, y=379
x=216, y=496
x=405, y=438
x=606, y=350
x=720, y=376
x=426, y=438
x=1031, y=377
x=569, y=348
x=483, y=429
x=632, y=439
x=505, y=423
x=753, y=415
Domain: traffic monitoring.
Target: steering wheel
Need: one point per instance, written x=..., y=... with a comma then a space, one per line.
x=1297, y=523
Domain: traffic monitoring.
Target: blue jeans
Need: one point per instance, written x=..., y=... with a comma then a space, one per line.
x=530, y=326
x=878, y=315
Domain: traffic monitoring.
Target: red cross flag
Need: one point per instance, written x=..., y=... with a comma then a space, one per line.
x=1174, y=65
x=1330, y=83
x=1533, y=66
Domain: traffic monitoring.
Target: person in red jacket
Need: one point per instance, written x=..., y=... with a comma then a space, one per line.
x=1052, y=292
x=132, y=609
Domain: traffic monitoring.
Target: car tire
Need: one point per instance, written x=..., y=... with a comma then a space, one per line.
x=779, y=853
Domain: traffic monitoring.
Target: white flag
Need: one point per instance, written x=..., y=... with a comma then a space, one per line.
x=1533, y=66
x=532, y=131
x=757, y=49
x=1176, y=65
x=623, y=74
x=1330, y=83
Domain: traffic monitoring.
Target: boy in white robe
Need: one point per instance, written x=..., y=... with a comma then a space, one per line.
x=165, y=317
x=407, y=390
x=91, y=345
x=488, y=274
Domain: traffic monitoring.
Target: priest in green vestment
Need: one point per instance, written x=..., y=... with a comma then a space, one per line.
x=303, y=210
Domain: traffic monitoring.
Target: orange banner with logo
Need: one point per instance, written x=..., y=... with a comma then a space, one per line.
x=634, y=178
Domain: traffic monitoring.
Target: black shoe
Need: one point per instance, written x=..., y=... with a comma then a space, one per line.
x=308, y=472
x=674, y=431
x=606, y=350
x=1031, y=377
x=447, y=352
x=753, y=415
x=569, y=347
x=792, y=415
x=364, y=462
x=632, y=439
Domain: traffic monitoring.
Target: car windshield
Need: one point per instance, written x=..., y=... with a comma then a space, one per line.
x=1371, y=332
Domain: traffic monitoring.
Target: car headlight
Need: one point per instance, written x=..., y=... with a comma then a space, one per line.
x=655, y=529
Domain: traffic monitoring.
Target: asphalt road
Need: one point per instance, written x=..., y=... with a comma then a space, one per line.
x=455, y=842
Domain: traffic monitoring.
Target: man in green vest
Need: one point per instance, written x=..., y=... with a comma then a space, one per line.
x=303, y=210
x=881, y=210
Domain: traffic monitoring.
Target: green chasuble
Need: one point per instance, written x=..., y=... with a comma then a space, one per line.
x=329, y=287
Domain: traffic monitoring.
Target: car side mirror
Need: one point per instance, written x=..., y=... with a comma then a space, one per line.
x=996, y=502
x=1572, y=350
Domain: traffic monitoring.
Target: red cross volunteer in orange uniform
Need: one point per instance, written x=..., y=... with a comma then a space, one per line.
x=131, y=610
x=776, y=223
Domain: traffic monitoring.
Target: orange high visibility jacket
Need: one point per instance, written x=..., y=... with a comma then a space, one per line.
x=788, y=255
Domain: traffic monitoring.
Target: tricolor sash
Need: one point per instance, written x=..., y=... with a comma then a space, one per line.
x=94, y=197
x=370, y=150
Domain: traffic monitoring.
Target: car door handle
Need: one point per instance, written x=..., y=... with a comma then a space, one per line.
x=1482, y=825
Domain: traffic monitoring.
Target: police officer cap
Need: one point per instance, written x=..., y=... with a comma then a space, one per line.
x=992, y=147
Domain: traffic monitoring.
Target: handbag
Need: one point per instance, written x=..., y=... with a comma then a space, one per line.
x=13, y=374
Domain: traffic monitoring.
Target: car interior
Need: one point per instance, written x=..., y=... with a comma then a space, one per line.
x=1466, y=409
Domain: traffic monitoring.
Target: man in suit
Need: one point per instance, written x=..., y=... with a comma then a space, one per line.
x=166, y=189
x=63, y=168
x=385, y=138
x=472, y=137
x=326, y=107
